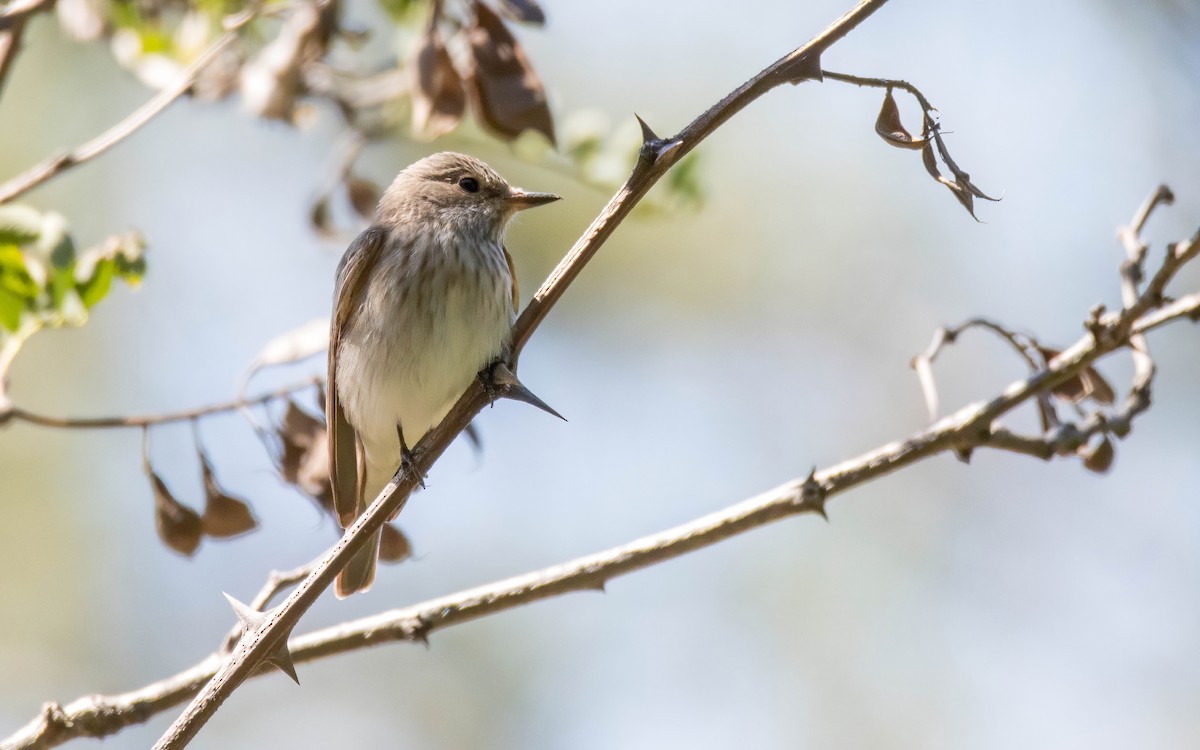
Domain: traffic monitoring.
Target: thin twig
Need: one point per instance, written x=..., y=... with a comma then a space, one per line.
x=1142, y=309
x=147, y=420
x=10, y=45
x=1132, y=274
x=99, y=716
x=59, y=163
x=656, y=158
x=881, y=83
x=1022, y=343
x=18, y=11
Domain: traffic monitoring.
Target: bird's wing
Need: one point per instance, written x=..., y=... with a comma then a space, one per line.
x=346, y=471
x=512, y=271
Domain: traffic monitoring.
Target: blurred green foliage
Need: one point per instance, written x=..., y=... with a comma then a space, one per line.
x=46, y=283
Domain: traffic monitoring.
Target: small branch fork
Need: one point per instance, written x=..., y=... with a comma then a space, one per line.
x=973, y=426
x=1143, y=308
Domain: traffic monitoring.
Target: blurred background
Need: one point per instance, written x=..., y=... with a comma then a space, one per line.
x=704, y=356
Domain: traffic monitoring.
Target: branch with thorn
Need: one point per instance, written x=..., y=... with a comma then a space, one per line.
x=971, y=427
x=656, y=159
x=266, y=633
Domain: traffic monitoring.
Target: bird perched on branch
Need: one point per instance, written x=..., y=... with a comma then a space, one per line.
x=425, y=299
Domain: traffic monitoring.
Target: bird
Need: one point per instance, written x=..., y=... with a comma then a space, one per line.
x=424, y=300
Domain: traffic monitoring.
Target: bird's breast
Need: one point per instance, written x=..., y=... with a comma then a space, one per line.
x=433, y=314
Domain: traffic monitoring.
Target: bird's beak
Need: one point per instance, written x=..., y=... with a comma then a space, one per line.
x=520, y=199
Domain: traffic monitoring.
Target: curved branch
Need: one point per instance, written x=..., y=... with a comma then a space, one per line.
x=19, y=11
x=99, y=716
x=59, y=163
x=149, y=420
x=655, y=159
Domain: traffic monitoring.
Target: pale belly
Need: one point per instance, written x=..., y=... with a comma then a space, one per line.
x=407, y=361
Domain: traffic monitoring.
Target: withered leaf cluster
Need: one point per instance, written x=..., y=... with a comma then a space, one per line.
x=304, y=464
x=1089, y=385
x=1086, y=389
x=932, y=146
x=182, y=528
x=495, y=78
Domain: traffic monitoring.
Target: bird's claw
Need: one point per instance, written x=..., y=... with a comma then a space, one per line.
x=408, y=461
x=487, y=378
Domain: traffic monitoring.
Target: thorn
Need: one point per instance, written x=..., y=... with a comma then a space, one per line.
x=510, y=387
x=251, y=619
x=812, y=495
x=281, y=658
x=648, y=134
x=418, y=635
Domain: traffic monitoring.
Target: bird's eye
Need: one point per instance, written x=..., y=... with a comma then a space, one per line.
x=470, y=184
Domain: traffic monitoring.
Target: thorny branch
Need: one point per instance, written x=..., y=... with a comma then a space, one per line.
x=974, y=426
x=656, y=157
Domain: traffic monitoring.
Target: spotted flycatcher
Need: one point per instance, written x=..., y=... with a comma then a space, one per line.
x=425, y=299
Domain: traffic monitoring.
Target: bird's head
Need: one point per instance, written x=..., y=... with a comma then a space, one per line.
x=456, y=192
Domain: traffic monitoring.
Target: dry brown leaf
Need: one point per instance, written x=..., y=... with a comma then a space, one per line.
x=506, y=92
x=304, y=461
x=319, y=218
x=224, y=515
x=1089, y=383
x=364, y=196
x=178, y=526
x=1098, y=458
x=393, y=545
x=439, y=98
x=892, y=130
x=305, y=465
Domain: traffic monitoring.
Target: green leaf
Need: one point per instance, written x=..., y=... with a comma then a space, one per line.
x=131, y=269
x=11, y=307
x=62, y=281
x=96, y=288
x=402, y=11
x=14, y=276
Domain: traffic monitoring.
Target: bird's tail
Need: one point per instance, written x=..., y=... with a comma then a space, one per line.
x=359, y=573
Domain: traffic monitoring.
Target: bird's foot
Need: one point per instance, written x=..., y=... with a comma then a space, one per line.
x=487, y=378
x=408, y=460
